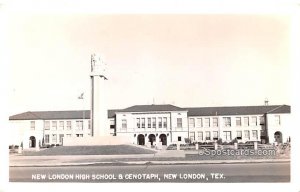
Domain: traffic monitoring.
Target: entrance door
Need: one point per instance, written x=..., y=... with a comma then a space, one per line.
x=163, y=139
x=151, y=138
x=278, y=137
x=32, y=142
x=141, y=139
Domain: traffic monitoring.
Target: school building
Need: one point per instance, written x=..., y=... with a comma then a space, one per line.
x=150, y=124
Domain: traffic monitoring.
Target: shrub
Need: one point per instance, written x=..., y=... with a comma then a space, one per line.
x=233, y=141
x=219, y=141
x=172, y=147
x=187, y=140
x=13, y=147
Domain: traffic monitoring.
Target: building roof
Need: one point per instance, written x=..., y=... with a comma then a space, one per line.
x=238, y=110
x=152, y=108
x=48, y=115
x=194, y=111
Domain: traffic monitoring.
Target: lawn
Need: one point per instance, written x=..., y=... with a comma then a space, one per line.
x=90, y=150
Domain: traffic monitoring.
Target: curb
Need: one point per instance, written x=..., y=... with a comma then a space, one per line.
x=154, y=163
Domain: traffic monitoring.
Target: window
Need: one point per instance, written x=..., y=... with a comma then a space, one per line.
x=153, y=122
x=32, y=125
x=238, y=121
x=165, y=122
x=54, y=125
x=54, y=138
x=111, y=124
x=227, y=135
x=261, y=120
x=200, y=136
x=246, y=121
x=192, y=122
x=215, y=135
x=254, y=121
x=206, y=122
x=227, y=121
x=215, y=122
x=124, y=124
x=69, y=125
x=143, y=122
x=47, y=125
x=159, y=122
x=277, y=119
x=46, y=138
x=61, y=125
x=79, y=135
x=207, y=135
x=247, y=135
x=239, y=135
x=254, y=134
x=179, y=122
x=199, y=122
x=61, y=136
x=192, y=136
x=179, y=138
x=79, y=125
x=138, y=122
x=149, y=122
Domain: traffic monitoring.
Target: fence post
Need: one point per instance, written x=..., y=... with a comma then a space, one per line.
x=19, y=149
x=216, y=145
x=235, y=146
x=255, y=145
x=178, y=146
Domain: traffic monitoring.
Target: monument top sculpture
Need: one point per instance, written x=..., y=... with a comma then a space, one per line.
x=98, y=66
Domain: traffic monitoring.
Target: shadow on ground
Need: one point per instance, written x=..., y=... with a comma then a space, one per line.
x=90, y=150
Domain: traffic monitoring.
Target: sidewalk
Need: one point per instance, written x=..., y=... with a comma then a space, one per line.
x=163, y=157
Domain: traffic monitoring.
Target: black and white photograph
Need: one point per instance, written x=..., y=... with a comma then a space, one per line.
x=131, y=97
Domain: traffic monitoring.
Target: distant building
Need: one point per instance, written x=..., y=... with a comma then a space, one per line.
x=149, y=124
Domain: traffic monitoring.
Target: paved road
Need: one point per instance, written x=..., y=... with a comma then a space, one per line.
x=251, y=172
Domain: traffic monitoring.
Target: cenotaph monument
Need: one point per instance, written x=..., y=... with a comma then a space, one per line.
x=100, y=129
x=99, y=121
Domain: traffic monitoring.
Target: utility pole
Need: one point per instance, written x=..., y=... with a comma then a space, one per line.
x=83, y=112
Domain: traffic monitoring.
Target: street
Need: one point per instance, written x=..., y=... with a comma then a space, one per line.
x=229, y=173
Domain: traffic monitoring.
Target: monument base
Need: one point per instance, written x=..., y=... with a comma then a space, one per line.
x=96, y=140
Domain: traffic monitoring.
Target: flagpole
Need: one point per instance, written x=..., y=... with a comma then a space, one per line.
x=83, y=112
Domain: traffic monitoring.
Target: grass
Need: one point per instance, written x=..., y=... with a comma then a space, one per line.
x=90, y=150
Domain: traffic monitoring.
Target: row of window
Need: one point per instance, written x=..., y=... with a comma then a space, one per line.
x=151, y=122
x=227, y=121
x=227, y=135
x=54, y=137
x=60, y=125
x=162, y=123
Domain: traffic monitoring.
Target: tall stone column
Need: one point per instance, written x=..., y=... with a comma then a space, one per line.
x=99, y=120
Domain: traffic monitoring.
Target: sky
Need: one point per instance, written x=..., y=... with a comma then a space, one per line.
x=188, y=60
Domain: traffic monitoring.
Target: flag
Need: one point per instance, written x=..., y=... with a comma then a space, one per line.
x=81, y=96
